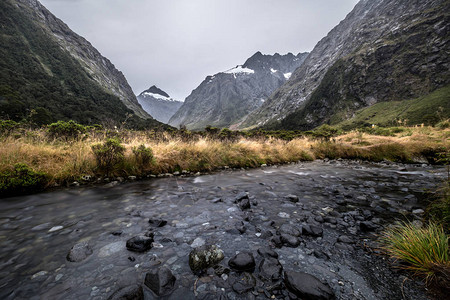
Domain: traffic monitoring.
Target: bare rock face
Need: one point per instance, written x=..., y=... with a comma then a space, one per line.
x=158, y=104
x=226, y=98
x=97, y=66
x=383, y=50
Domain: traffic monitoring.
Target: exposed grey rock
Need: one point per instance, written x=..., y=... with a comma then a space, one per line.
x=160, y=280
x=158, y=104
x=225, y=99
x=307, y=287
x=292, y=198
x=204, y=257
x=79, y=252
x=366, y=58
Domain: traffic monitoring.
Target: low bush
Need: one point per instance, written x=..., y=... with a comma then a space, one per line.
x=108, y=155
x=8, y=126
x=22, y=180
x=423, y=250
x=66, y=130
x=143, y=156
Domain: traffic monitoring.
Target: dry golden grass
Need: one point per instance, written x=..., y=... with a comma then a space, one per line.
x=64, y=161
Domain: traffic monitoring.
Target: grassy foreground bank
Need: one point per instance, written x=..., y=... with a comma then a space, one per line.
x=45, y=157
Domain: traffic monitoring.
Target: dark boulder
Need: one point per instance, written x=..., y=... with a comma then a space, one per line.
x=243, y=261
x=312, y=230
x=244, y=283
x=244, y=204
x=267, y=252
x=160, y=280
x=139, y=243
x=307, y=287
x=157, y=222
x=290, y=229
x=368, y=226
x=289, y=240
x=292, y=198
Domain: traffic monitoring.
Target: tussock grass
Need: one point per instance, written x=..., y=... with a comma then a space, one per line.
x=423, y=250
x=66, y=160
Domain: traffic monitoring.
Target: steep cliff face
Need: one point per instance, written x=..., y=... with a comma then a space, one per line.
x=225, y=99
x=51, y=52
x=158, y=104
x=384, y=50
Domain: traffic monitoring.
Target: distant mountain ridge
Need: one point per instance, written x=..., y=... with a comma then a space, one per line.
x=158, y=104
x=384, y=50
x=226, y=98
x=46, y=65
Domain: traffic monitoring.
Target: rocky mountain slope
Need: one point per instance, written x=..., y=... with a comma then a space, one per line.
x=383, y=50
x=45, y=65
x=158, y=104
x=225, y=99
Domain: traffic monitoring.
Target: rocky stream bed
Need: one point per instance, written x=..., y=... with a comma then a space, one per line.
x=300, y=231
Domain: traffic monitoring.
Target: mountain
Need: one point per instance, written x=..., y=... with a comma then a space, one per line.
x=158, y=104
x=226, y=98
x=48, y=68
x=384, y=50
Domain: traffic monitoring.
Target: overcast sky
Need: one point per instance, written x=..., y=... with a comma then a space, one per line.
x=175, y=44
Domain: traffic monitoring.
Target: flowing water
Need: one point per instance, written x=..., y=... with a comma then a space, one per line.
x=37, y=231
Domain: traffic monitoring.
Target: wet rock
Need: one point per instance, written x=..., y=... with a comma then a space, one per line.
x=345, y=239
x=198, y=242
x=160, y=280
x=132, y=292
x=270, y=269
x=241, y=196
x=418, y=211
x=204, y=257
x=117, y=232
x=320, y=254
x=289, y=240
x=312, y=230
x=79, y=252
x=276, y=241
x=267, y=252
x=157, y=222
x=330, y=220
x=139, y=243
x=290, y=229
x=244, y=204
x=216, y=200
x=319, y=219
x=367, y=226
x=292, y=198
x=243, y=261
x=244, y=283
x=219, y=270
x=307, y=287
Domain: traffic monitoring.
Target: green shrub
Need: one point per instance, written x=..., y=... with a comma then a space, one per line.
x=7, y=126
x=66, y=130
x=22, y=180
x=325, y=132
x=109, y=154
x=143, y=156
x=443, y=124
x=421, y=250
